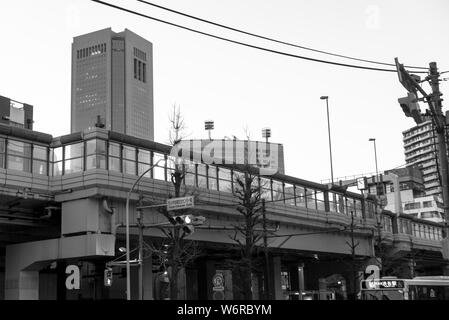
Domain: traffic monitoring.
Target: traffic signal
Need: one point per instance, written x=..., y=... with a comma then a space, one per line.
x=187, y=222
x=410, y=107
x=108, y=277
x=183, y=219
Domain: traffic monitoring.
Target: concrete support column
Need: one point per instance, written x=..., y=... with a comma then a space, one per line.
x=296, y=273
x=148, y=279
x=276, y=287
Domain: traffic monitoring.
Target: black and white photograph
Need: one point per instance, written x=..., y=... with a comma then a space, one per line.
x=224, y=158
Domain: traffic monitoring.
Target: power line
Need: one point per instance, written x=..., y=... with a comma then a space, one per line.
x=268, y=38
x=242, y=43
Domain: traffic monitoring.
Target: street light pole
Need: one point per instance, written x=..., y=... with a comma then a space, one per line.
x=329, y=133
x=379, y=221
x=128, y=268
x=375, y=156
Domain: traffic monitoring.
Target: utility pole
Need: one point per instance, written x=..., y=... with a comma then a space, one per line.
x=410, y=108
x=440, y=122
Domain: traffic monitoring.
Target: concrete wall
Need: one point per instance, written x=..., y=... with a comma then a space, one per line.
x=23, y=261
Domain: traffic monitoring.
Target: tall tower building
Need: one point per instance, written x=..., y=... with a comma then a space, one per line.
x=421, y=150
x=112, y=78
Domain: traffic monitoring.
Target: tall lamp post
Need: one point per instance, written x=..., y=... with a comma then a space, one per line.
x=329, y=133
x=128, y=269
x=375, y=157
x=379, y=220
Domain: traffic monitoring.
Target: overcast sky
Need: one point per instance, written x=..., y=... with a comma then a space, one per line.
x=241, y=87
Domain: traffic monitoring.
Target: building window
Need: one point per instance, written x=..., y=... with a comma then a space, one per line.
x=2, y=152
x=189, y=177
x=202, y=176
x=144, y=65
x=427, y=204
x=19, y=155
x=159, y=170
x=265, y=187
x=140, y=54
x=225, y=180
x=135, y=68
x=73, y=158
x=278, y=193
x=95, y=154
x=114, y=157
x=144, y=162
x=129, y=160
x=212, y=178
x=411, y=206
x=140, y=70
x=56, y=160
x=40, y=160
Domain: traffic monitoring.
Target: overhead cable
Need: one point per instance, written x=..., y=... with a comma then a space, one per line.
x=268, y=38
x=244, y=44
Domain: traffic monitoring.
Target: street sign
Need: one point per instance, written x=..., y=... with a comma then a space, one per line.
x=382, y=284
x=218, y=281
x=179, y=203
x=362, y=183
x=218, y=288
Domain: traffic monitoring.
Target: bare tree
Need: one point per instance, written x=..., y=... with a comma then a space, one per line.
x=247, y=132
x=177, y=126
x=179, y=252
x=247, y=235
x=355, y=265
